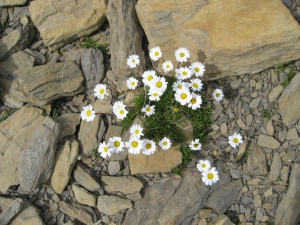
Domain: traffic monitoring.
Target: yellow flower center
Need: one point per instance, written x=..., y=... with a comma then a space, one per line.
x=203, y=165
x=182, y=54
x=197, y=69
x=150, y=77
x=155, y=94
x=195, y=85
x=195, y=145
x=134, y=144
x=168, y=66
x=137, y=131
x=133, y=60
x=148, y=109
x=183, y=95
x=175, y=109
x=193, y=101
x=132, y=83
x=165, y=143
x=102, y=91
x=156, y=53
x=235, y=140
x=210, y=176
x=179, y=86
x=158, y=84
x=218, y=94
x=121, y=111
x=105, y=149
x=148, y=146
x=88, y=113
x=184, y=73
x=117, y=144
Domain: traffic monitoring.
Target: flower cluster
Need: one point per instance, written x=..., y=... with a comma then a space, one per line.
x=209, y=173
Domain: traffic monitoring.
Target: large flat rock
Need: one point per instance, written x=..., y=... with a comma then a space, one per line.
x=61, y=22
x=230, y=38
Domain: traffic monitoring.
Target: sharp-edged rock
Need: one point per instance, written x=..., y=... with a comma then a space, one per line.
x=68, y=123
x=83, y=196
x=110, y=205
x=267, y=141
x=124, y=184
x=13, y=209
x=4, y=3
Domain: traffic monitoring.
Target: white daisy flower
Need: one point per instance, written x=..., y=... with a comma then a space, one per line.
x=195, y=145
x=118, y=105
x=136, y=130
x=159, y=83
x=115, y=144
x=210, y=177
x=149, y=147
x=167, y=66
x=197, y=68
x=104, y=150
x=195, y=101
x=196, y=84
x=148, y=76
x=155, y=53
x=119, y=110
x=154, y=95
x=179, y=85
x=183, y=73
x=149, y=110
x=135, y=145
x=182, y=54
x=183, y=96
x=133, y=61
x=235, y=140
x=88, y=114
x=203, y=165
x=100, y=91
x=165, y=143
x=132, y=83
x=218, y=95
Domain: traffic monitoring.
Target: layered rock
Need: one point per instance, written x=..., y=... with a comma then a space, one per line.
x=4, y=3
x=60, y=23
x=124, y=184
x=230, y=38
x=83, y=196
x=110, y=205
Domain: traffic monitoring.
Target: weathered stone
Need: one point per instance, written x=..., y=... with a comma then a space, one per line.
x=288, y=209
x=275, y=93
x=242, y=150
x=241, y=124
x=134, y=197
x=14, y=135
x=39, y=58
x=63, y=22
x=65, y=161
x=82, y=213
x=267, y=141
x=29, y=215
x=124, y=184
x=13, y=209
x=228, y=192
x=214, y=35
x=125, y=38
x=270, y=128
x=84, y=177
x=235, y=84
x=292, y=134
x=92, y=68
x=90, y=135
x=221, y=220
x=254, y=103
x=275, y=169
x=289, y=106
x=73, y=55
x=110, y=205
x=4, y=3
x=256, y=163
x=83, y=196
x=20, y=12
x=284, y=173
x=113, y=167
x=223, y=128
x=37, y=160
x=104, y=107
x=16, y=41
x=68, y=123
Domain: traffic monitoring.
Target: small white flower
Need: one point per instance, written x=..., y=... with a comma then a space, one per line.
x=148, y=76
x=133, y=61
x=183, y=96
x=203, y=165
x=136, y=130
x=197, y=68
x=155, y=53
x=115, y=144
x=195, y=101
x=154, y=95
x=218, y=95
x=235, y=140
x=196, y=84
x=183, y=73
x=195, y=145
x=210, y=177
x=135, y=145
x=119, y=110
x=167, y=66
x=88, y=114
x=182, y=54
x=132, y=83
x=159, y=83
x=100, y=91
x=165, y=143
x=149, y=110
x=149, y=147
x=179, y=85
x=104, y=150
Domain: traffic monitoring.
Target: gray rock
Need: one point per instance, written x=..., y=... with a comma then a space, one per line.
x=83, y=196
x=236, y=174
x=275, y=93
x=73, y=55
x=249, y=119
x=16, y=41
x=274, y=170
x=221, y=220
x=242, y=150
x=11, y=211
x=4, y=3
x=255, y=102
x=267, y=141
x=4, y=16
x=39, y=58
x=284, y=173
x=37, y=160
x=124, y=184
x=247, y=200
x=292, y=134
x=92, y=68
x=256, y=163
x=241, y=124
x=134, y=197
x=125, y=37
x=228, y=192
x=19, y=12
x=282, y=135
x=113, y=167
x=68, y=123
x=288, y=209
x=110, y=205
x=270, y=128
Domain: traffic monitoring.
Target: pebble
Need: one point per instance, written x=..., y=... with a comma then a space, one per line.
x=268, y=192
x=292, y=134
x=255, y=102
x=247, y=200
x=241, y=124
x=275, y=93
x=249, y=119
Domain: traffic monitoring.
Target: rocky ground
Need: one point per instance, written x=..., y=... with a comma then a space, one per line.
x=47, y=173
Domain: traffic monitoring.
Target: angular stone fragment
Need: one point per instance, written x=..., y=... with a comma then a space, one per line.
x=275, y=93
x=65, y=161
x=124, y=184
x=267, y=141
x=274, y=170
x=221, y=220
x=11, y=211
x=68, y=123
x=110, y=205
x=83, y=196
x=37, y=160
x=63, y=22
x=4, y=3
